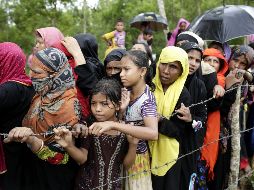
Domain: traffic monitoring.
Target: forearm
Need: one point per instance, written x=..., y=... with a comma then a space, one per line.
x=34, y=143
x=79, y=58
x=79, y=155
x=146, y=133
x=130, y=156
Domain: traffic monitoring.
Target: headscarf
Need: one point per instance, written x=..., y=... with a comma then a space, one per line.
x=59, y=105
x=84, y=101
x=172, y=40
x=187, y=46
x=50, y=35
x=166, y=149
x=89, y=48
x=114, y=55
x=248, y=53
x=224, y=68
x=12, y=64
x=190, y=37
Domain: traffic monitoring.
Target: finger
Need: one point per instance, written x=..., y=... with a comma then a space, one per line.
x=7, y=140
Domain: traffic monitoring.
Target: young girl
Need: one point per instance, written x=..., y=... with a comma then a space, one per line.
x=101, y=157
x=140, y=116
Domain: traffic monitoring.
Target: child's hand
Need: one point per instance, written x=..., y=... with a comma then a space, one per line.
x=63, y=137
x=98, y=128
x=125, y=99
x=185, y=113
x=132, y=140
x=19, y=134
x=218, y=91
x=80, y=130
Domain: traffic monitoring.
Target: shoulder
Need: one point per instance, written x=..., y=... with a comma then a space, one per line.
x=15, y=88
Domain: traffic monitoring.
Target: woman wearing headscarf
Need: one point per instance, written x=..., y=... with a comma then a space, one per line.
x=55, y=104
x=181, y=26
x=16, y=93
x=197, y=90
x=171, y=96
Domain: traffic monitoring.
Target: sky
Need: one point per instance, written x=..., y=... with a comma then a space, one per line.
x=92, y=3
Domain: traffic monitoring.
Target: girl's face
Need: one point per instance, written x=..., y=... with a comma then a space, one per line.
x=131, y=74
x=213, y=61
x=139, y=47
x=103, y=109
x=238, y=62
x=39, y=44
x=113, y=67
x=169, y=73
x=194, y=59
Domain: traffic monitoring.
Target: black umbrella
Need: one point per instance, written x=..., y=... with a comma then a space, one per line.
x=150, y=20
x=224, y=23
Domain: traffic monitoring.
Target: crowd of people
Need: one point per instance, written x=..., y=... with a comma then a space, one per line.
x=130, y=122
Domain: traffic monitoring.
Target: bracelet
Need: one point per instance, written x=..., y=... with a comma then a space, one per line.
x=41, y=147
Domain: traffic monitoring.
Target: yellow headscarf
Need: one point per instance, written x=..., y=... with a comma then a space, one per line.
x=166, y=149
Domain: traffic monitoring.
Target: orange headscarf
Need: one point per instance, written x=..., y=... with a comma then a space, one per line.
x=210, y=153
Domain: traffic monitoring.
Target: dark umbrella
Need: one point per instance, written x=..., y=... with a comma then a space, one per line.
x=150, y=20
x=224, y=23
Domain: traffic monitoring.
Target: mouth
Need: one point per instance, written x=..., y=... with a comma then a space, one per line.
x=164, y=78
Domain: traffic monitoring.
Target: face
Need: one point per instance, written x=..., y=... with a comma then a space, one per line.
x=169, y=73
x=148, y=37
x=194, y=58
x=131, y=74
x=39, y=44
x=119, y=26
x=140, y=47
x=102, y=108
x=40, y=79
x=238, y=62
x=213, y=61
x=182, y=26
x=113, y=67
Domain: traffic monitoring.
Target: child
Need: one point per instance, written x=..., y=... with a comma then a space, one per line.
x=116, y=38
x=101, y=157
x=140, y=116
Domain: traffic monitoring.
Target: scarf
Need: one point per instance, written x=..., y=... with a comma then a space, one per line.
x=58, y=106
x=50, y=35
x=210, y=153
x=166, y=149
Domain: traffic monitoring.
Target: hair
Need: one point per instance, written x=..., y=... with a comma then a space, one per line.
x=119, y=20
x=140, y=59
x=148, y=31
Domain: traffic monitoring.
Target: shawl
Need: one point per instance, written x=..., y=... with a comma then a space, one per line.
x=59, y=105
x=50, y=35
x=166, y=149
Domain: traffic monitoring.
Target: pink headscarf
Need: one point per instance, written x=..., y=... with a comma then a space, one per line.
x=50, y=35
x=171, y=41
x=12, y=64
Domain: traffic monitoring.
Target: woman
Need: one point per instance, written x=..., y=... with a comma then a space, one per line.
x=16, y=93
x=171, y=97
x=55, y=104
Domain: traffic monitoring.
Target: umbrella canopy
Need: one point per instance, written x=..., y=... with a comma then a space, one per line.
x=224, y=23
x=150, y=20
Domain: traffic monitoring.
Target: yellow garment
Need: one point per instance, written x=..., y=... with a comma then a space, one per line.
x=166, y=149
x=110, y=37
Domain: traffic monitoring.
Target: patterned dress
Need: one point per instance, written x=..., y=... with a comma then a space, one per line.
x=103, y=166
x=144, y=106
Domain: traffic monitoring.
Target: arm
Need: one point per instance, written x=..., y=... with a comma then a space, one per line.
x=130, y=157
x=108, y=37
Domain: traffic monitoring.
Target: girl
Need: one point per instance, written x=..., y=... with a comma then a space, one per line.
x=101, y=157
x=140, y=116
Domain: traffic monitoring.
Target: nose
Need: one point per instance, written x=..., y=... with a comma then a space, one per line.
x=97, y=107
x=166, y=69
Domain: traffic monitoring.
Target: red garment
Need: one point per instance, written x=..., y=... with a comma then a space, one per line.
x=84, y=101
x=210, y=153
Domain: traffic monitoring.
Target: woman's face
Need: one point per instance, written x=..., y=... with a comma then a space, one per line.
x=39, y=44
x=194, y=59
x=113, y=67
x=238, y=63
x=139, y=47
x=213, y=61
x=169, y=73
x=102, y=108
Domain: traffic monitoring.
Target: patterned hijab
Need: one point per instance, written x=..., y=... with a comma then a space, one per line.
x=57, y=105
x=12, y=64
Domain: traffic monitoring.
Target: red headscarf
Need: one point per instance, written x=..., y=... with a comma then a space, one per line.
x=84, y=101
x=12, y=64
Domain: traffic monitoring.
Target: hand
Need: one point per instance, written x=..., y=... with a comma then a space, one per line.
x=185, y=112
x=109, y=43
x=63, y=137
x=132, y=140
x=231, y=78
x=218, y=91
x=80, y=130
x=98, y=128
x=125, y=99
x=19, y=134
